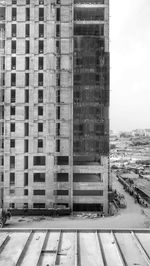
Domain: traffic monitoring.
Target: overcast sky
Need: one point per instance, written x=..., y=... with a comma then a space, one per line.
x=130, y=64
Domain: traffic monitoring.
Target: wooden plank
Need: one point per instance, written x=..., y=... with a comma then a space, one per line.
x=144, y=238
x=34, y=249
x=74, y=247
x=141, y=248
x=4, y=238
x=111, y=252
x=49, y=253
x=119, y=249
x=12, y=251
x=89, y=249
x=129, y=249
x=76, y=257
x=100, y=250
x=24, y=249
x=43, y=248
x=58, y=246
x=66, y=252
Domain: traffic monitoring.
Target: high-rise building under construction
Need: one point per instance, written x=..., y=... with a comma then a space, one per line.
x=54, y=104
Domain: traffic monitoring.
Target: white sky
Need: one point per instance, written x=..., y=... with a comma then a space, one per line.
x=130, y=64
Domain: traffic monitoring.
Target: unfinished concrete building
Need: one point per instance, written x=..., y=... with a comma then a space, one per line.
x=55, y=100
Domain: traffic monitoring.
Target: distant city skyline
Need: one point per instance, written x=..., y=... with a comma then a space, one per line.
x=130, y=131
x=130, y=64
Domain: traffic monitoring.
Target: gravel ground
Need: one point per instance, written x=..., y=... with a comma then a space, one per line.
x=134, y=216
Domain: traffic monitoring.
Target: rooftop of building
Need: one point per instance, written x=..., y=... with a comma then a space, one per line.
x=74, y=247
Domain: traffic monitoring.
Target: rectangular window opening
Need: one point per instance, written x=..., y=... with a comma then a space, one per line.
x=62, y=177
x=58, y=14
x=26, y=79
x=26, y=145
x=25, y=179
x=12, y=110
x=39, y=192
x=27, y=63
x=13, y=47
x=12, y=127
x=25, y=162
x=26, y=96
x=26, y=113
x=12, y=143
x=27, y=14
x=39, y=205
x=62, y=192
x=12, y=161
x=26, y=129
x=14, y=13
x=13, y=79
x=41, y=63
x=40, y=96
x=40, y=127
x=40, y=79
x=13, y=63
x=41, y=30
x=27, y=47
x=41, y=14
x=62, y=160
x=13, y=96
x=39, y=160
x=39, y=177
x=57, y=145
x=25, y=192
x=27, y=30
x=13, y=30
x=12, y=178
x=40, y=143
x=41, y=47
x=58, y=112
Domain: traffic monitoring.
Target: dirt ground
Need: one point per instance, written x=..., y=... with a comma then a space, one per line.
x=134, y=216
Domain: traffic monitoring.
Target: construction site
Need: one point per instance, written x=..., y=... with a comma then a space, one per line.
x=54, y=123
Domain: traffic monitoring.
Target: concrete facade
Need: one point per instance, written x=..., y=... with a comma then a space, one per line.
x=39, y=168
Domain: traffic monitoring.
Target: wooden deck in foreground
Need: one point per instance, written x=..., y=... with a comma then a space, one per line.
x=43, y=247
